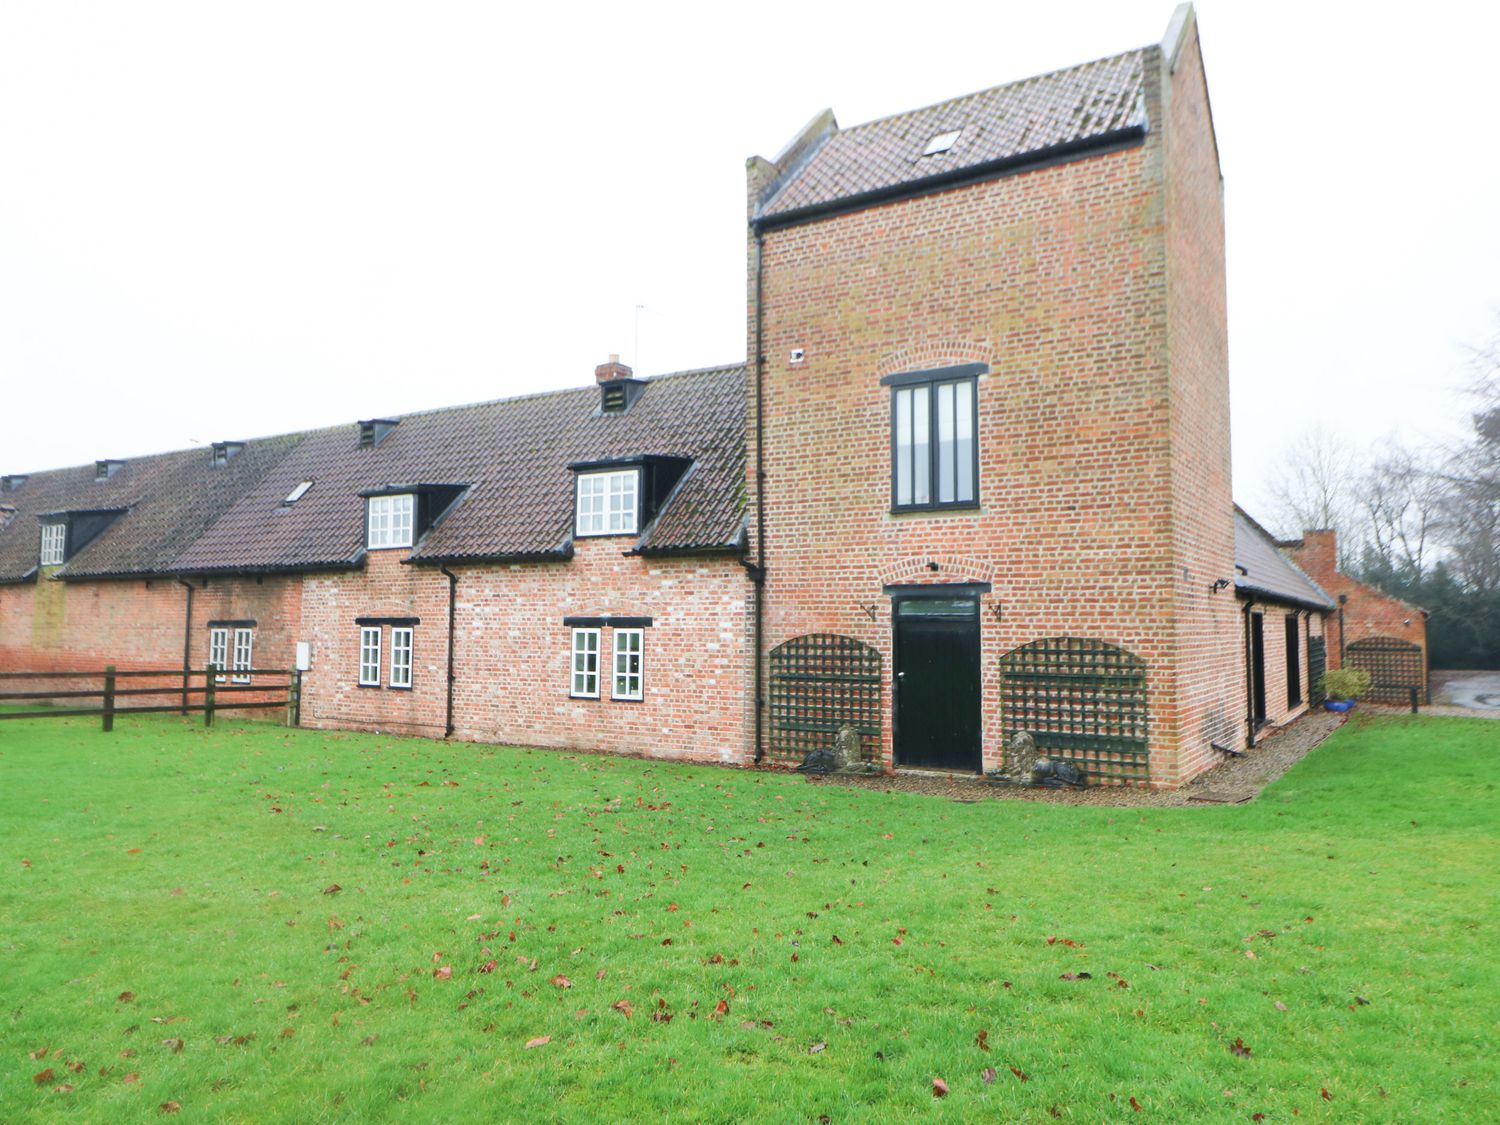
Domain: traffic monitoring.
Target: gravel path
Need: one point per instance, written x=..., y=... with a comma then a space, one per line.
x=1234, y=781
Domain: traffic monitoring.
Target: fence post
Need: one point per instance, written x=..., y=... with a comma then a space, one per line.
x=208, y=694
x=1413, y=701
x=109, y=697
x=294, y=699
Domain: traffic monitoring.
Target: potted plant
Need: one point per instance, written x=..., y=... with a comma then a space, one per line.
x=1342, y=686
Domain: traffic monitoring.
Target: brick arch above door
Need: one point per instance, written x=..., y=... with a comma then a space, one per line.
x=929, y=354
x=936, y=569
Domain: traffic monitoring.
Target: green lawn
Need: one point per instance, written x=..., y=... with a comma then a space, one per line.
x=256, y=924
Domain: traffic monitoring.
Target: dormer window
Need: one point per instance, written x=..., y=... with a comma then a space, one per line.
x=12, y=482
x=103, y=470
x=373, y=431
x=608, y=502
x=224, y=452
x=54, y=544
x=390, y=520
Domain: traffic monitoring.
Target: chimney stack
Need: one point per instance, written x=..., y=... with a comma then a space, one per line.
x=614, y=369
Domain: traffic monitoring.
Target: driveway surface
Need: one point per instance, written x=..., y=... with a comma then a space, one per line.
x=1471, y=691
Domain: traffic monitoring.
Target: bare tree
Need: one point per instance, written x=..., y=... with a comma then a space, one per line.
x=1402, y=498
x=1317, y=486
x=1471, y=512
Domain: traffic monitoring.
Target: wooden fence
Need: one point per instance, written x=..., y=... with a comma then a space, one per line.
x=201, y=690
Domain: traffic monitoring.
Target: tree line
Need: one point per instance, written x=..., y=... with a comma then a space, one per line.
x=1418, y=521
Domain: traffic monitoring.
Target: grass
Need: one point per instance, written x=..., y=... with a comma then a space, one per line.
x=1342, y=929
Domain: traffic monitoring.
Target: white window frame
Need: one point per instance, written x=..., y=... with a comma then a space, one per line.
x=583, y=665
x=401, y=658
x=54, y=544
x=390, y=521
x=608, y=502
x=218, y=651
x=244, y=643
x=369, y=656
x=628, y=643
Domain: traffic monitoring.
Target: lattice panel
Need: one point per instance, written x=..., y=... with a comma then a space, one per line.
x=1083, y=700
x=1395, y=667
x=821, y=683
x=1317, y=664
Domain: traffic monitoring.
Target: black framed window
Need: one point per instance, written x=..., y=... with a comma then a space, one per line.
x=934, y=446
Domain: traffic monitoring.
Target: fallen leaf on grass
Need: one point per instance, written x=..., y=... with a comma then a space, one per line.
x=42, y=1077
x=126, y=997
x=1076, y=976
x=539, y=1041
x=65, y=1088
x=981, y=1040
x=288, y=1032
x=817, y=1048
x=489, y=966
x=1327, y=1097
x=169, y=1107
x=1360, y=1000
x=1238, y=1048
x=173, y=1045
x=133, y=1076
x=624, y=1007
x=332, y=889
x=561, y=981
x=939, y=1088
x=988, y=1074
x=443, y=972
x=1280, y=1007
x=1135, y=1105
x=1021, y=1074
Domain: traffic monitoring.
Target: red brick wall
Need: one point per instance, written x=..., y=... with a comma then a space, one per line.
x=1057, y=279
x=138, y=623
x=513, y=652
x=1366, y=612
x=1279, y=710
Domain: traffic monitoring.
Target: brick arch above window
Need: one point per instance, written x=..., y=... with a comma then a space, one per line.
x=930, y=354
x=950, y=569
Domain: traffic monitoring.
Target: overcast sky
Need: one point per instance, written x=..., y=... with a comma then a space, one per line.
x=222, y=220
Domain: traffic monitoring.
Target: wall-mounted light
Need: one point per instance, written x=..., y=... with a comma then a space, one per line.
x=1219, y=584
x=932, y=565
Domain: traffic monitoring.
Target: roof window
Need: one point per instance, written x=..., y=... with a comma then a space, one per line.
x=374, y=430
x=941, y=143
x=296, y=494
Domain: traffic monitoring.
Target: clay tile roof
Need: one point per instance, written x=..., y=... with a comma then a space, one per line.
x=167, y=499
x=1269, y=573
x=1090, y=102
x=512, y=456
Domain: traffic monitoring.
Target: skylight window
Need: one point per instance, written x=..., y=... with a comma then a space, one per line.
x=297, y=493
x=941, y=143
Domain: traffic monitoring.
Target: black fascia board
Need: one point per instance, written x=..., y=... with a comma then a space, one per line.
x=613, y=622
x=629, y=461
x=1260, y=593
x=233, y=623
x=1113, y=141
x=649, y=551
x=556, y=554
x=399, y=622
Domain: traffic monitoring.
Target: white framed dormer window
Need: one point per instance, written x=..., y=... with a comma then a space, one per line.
x=585, y=683
x=218, y=651
x=369, y=656
x=400, y=658
x=54, y=543
x=241, y=667
x=608, y=502
x=389, y=520
x=627, y=679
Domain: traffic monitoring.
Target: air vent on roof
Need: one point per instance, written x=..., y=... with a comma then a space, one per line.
x=941, y=143
x=103, y=470
x=12, y=482
x=617, y=387
x=373, y=431
x=297, y=493
x=224, y=451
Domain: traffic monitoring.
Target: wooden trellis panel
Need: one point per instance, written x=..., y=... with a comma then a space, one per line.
x=1081, y=699
x=1395, y=667
x=821, y=683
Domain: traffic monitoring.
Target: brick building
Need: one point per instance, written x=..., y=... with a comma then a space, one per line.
x=1369, y=629
x=973, y=480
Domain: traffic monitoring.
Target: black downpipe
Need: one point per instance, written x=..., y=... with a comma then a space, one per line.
x=452, y=600
x=758, y=573
x=187, y=642
x=1249, y=679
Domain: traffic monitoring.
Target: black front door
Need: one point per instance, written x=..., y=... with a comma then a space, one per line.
x=937, y=682
x=1258, y=669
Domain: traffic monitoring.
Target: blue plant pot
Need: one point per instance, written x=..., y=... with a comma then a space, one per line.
x=1340, y=705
